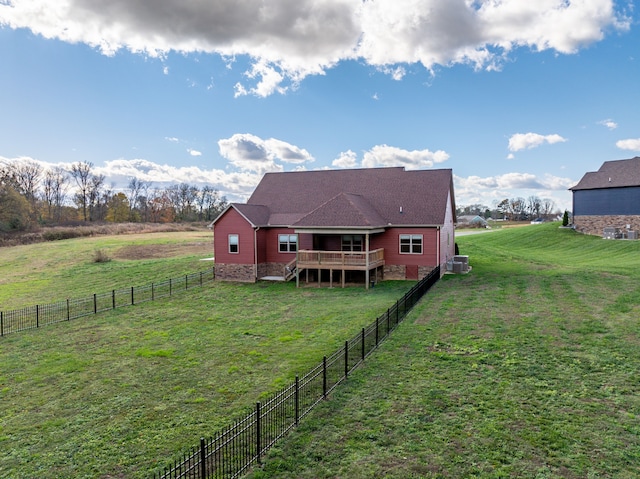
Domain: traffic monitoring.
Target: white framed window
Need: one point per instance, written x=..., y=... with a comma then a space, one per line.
x=410, y=244
x=287, y=243
x=234, y=244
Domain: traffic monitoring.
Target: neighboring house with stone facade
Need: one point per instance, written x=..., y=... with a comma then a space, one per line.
x=608, y=198
x=338, y=226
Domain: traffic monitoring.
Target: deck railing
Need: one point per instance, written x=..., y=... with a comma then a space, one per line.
x=312, y=258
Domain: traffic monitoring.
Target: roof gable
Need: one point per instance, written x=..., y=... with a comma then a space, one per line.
x=345, y=209
x=389, y=196
x=612, y=174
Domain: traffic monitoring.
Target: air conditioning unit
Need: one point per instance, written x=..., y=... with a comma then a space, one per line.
x=464, y=259
x=459, y=267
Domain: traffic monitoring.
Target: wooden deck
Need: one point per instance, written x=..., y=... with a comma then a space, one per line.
x=340, y=261
x=344, y=260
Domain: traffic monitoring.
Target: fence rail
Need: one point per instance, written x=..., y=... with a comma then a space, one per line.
x=37, y=316
x=232, y=451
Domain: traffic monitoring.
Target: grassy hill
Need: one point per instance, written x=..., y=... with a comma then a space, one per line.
x=124, y=392
x=527, y=368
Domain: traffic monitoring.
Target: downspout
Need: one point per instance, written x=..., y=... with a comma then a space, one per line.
x=255, y=253
x=438, y=241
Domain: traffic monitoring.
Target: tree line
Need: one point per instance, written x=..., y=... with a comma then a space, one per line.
x=514, y=209
x=31, y=194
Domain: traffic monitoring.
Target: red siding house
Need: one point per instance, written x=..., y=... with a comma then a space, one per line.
x=338, y=226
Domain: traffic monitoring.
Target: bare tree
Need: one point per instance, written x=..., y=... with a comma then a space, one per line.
x=55, y=185
x=534, y=204
x=137, y=189
x=81, y=173
x=547, y=207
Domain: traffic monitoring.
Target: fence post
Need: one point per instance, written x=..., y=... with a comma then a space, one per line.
x=297, y=397
x=68, y=310
x=169, y=286
x=132, y=302
x=200, y=278
x=95, y=304
x=1, y=323
x=258, y=434
x=324, y=377
x=377, y=323
x=346, y=359
x=362, y=343
x=186, y=281
x=203, y=460
x=113, y=298
x=152, y=293
x=37, y=316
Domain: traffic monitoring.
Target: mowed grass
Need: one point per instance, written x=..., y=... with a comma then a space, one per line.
x=48, y=272
x=528, y=367
x=123, y=393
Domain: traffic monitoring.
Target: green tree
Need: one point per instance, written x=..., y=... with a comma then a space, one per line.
x=14, y=210
x=118, y=208
x=565, y=218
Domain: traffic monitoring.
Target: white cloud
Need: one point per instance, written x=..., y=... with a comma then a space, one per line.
x=347, y=159
x=609, y=123
x=522, y=141
x=288, y=40
x=171, y=139
x=384, y=155
x=251, y=153
x=194, y=152
x=632, y=144
x=492, y=189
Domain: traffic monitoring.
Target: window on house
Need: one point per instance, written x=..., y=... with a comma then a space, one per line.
x=351, y=242
x=234, y=244
x=411, y=244
x=287, y=243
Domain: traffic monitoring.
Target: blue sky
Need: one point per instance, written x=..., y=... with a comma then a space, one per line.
x=518, y=98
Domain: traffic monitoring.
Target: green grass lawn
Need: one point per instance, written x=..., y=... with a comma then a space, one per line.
x=48, y=272
x=123, y=393
x=528, y=367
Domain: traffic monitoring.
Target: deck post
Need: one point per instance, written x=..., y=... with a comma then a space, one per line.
x=366, y=275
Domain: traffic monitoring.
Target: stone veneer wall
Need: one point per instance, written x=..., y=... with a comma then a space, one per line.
x=424, y=271
x=235, y=272
x=270, y=269
x=595, y=225
x=394, y=271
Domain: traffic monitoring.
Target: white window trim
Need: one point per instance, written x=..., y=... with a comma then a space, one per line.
x=289, y=243
x=411, y=238
x=237, y=244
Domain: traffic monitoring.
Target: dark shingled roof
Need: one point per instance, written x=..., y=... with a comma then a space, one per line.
x=343, y=210
x=612, y=174
x=368, y=197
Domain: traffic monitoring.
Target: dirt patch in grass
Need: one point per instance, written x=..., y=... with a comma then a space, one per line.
x=135, y=252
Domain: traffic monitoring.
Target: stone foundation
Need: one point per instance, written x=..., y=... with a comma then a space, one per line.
x=235, y=272
x=424, y=271
x=270, y=269
x=394, y=271
x=595, y=225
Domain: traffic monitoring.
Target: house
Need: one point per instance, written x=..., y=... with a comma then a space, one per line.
x=472, y=221
x=608, y=198
x=357, y=225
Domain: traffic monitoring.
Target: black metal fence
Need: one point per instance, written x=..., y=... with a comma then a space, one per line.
x=44, y=314
x=232, y=451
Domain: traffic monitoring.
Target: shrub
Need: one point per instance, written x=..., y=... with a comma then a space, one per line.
x=99, y=256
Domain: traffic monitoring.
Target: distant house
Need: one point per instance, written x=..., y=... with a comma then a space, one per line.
x=608, y=198
x=334, y=226
x=473, y=221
